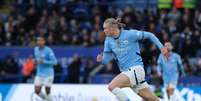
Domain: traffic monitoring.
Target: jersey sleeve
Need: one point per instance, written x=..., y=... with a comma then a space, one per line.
x=159, y=64
x=36, y=56
x=179, y=61
x=107, y=48
x=107, y=52
x=153, y=38
x=52, y=59
x=136, y=35
x=141, y=35
x=107, y=57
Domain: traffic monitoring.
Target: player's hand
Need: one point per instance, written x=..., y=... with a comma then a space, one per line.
x=159, y=75
x=99, y=57
x=164, y=51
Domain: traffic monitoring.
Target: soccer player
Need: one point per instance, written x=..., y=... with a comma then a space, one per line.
x=45, y=60
x=123, y=46
x=170, y=70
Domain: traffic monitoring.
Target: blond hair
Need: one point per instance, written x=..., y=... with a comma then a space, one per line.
x=169, y=46
x=115, y=22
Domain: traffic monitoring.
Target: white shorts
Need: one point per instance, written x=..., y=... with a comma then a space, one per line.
x=136, y=75
x=44, y=81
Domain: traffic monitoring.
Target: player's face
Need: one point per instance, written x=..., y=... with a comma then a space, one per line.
x=169, y=46
x=40, y=42
x=110, y=30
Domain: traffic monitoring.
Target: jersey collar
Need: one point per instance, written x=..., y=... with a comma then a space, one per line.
x=118, y=35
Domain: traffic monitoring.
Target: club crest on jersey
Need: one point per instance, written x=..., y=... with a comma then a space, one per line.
x=125, y=42
x=122, y=42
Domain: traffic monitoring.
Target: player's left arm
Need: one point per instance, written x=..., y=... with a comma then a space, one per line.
x=141, y=35
x=150, y=36
x=52, y=59
x=159, y=65
x=181, y=67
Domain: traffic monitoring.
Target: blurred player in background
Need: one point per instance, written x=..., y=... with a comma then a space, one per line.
x=169, y=67
x=123, y=46
x=45, y=60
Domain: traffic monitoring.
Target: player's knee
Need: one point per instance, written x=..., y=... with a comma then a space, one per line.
x=170, y=91
x=111, y=87
x=37, y=91
x=47, y=90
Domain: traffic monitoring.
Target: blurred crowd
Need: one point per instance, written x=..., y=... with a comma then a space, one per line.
x=79, y=23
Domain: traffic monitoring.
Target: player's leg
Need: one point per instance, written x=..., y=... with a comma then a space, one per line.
x=47, y=90
x=147, y=94
x=117, y=83
x=48, y=83
x=38, y=87
x=140, y=86
x=170, y=85
x=170, y=91
x=48, y=95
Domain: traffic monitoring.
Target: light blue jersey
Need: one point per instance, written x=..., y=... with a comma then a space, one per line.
x=47, y=55
x=126, y=49
x=169, y=67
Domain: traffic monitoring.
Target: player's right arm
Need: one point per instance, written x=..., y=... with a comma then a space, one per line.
x=159, y=65
x=36, y=56
x=106, y=56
